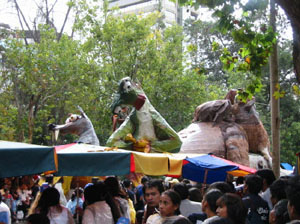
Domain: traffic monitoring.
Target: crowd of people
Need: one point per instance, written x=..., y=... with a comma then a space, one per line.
x=252, y=199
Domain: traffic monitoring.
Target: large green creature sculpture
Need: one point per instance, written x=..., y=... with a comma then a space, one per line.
x=144, y=129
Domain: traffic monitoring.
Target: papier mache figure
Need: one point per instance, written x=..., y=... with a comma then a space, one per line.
x=79, y=125
x=144, y=129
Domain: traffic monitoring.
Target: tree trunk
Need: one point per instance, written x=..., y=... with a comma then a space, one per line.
x=274, y=77
x=292, y=9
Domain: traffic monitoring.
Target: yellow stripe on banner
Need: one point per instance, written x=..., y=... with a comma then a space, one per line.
x=238, y=173
x=154, y=164
x=175, y=166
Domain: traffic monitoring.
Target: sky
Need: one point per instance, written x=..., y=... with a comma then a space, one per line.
x=9, y=16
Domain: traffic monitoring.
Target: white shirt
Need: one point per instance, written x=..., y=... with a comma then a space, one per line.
x=63, y=217
x=188, y=207
x=266, y=195
x=97, y=213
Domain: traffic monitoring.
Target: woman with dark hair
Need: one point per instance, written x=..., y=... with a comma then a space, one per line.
x=230, y=206
x=119, y=196
x=168, y=208
x=49, y=205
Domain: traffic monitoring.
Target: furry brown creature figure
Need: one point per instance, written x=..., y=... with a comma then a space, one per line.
x=227, y=128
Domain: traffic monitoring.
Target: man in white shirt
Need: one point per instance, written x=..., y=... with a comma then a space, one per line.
x=187, y=207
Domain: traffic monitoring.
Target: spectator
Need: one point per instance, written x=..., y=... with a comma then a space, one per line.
x=168, y=207
x=97, y=209
x=268, y=178
x=209, y=204
x=152, y=191
x=49, y=206
x=230, y=206
x=128, y=188
x=76, y=201
x=195, y=194
x=4, y=212
x=224, y=187
x=293, y=196
x=119, y=196
x=279, y=213
x=187, y=207
x=277, y=190
x=258, y=209
x=139, y=193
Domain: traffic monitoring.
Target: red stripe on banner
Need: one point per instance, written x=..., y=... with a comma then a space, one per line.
x=61, y=147
x=185, y=162
x=241, y=167
x=132, y=163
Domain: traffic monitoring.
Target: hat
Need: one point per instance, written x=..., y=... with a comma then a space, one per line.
x=174, y=181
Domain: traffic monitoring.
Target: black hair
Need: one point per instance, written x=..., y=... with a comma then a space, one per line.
x=221, y=220
x=49, y=197
x=38, y=219
x=105, y=195
x=211, y=198
x=175, y=198
x=254, y=183
x=277, y=189
x=0, y=197
x=74, y=194
x=156, y=183
x=240, y=180
x=195, y=194
x=224, y=187
x=114, y=187
x=266, y=174
x=144, y=179
x=126, y=183
x=182, y=190
x=91, y=194
x=236, y=210
x=281, y=212
x=293, y=193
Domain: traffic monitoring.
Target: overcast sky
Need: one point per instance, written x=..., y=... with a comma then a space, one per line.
x=9, y=16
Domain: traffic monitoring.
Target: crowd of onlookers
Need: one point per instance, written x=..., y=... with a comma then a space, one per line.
x=252, y=199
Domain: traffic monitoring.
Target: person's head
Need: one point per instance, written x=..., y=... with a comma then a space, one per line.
x=169, y=203
x=195, y=194
x=209, y=202
x=113, y=186
x=144, y=180
x=231, y=206
x=37, y=219
x=182, y=190
x=277, y=189
x=78, y=192
x=293, y=196
x=253, y=184
x=49, y=197
x=268, y=177
x=224, y=187
x=152, y=191
x=279, y=213
x=127, y=183
x=95, y=180
x=91, y=194
x=239, y=181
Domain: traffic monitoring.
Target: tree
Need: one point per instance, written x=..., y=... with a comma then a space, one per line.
x=292, y=9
